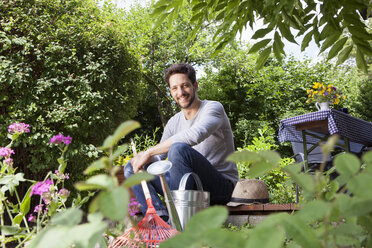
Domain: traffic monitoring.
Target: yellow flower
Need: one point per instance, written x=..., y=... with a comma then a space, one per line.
x=337, y=101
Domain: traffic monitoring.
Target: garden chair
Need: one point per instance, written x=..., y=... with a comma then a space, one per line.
x=314, y=159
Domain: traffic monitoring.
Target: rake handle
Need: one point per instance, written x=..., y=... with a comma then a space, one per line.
x=145, y=188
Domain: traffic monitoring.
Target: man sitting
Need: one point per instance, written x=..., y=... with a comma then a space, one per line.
x=197, y=139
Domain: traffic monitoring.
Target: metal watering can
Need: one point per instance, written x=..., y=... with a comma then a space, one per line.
x=189, y=202
x=182, y=204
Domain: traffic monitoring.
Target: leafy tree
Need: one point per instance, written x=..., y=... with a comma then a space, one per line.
x=156, y=49
x=323, y=21
x=254, y=99
x=65, y=67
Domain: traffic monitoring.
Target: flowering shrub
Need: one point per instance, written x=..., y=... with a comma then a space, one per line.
x=19, y=128
x=53, y=196
x=51, y=191
x=324, y=93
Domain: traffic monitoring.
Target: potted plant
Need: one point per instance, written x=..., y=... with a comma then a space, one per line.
x=323, y=95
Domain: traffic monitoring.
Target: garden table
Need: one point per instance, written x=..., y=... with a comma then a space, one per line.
x=316, y=127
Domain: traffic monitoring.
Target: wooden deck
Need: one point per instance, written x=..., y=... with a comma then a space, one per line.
x=255, y=213
x=262, y=209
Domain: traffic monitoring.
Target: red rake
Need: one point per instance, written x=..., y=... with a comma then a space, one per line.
x=151, y=231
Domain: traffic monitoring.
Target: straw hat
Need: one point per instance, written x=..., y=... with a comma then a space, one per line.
x=248, y=191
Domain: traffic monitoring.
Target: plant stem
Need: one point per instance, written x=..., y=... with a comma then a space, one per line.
x=23, y=218
x=37, y=220
x=8, y=211
x=26, y=239
x=2, y=233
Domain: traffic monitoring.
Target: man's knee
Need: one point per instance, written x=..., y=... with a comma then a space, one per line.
x=177, y=148
x=128, y=170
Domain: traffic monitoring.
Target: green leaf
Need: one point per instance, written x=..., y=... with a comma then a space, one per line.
x=330, y=40
x=62, y=164
x=56, y=237
x=278, y=46
x=183, y=240
x=114, y=204
x=266, y=237
x=124, y=129
x=261, y=33
x=211, y=218
x=357, y=207
x=120, y=150
x=360, y=32
x=223, y=238
x=367, y=159
x=304, y=180
x=313, y=211
x=158, y=10
x=344, y=54
x=100, y=164
x=137, y=178
x=361, y=185
x=88, y=234
x=262, y=58
x=326, y=32
x=68, y=217
x=96, y=182
x=9, y=230
x=301, y=233
x=244, y=156
x=361, y=62
x=26, y=201
x=336, y=48
x=285, y=31
x=199, y=6
x=261, y=162
x=18, y=219
x=257, y=46
x=306, y=40
x=346, y=234
x=347, y=164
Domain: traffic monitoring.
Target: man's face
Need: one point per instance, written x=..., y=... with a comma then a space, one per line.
x=182, y=90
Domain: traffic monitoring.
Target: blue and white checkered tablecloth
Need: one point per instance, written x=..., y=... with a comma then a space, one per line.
x=359, y=132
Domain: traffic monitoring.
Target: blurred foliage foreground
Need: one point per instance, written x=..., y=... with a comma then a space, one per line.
x=334, y=213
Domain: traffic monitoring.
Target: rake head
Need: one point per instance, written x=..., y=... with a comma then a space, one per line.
x=151, y=231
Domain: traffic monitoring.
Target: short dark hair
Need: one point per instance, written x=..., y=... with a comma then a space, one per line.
x=180, y=68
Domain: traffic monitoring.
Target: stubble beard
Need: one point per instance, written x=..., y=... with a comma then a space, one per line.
x=192, y=99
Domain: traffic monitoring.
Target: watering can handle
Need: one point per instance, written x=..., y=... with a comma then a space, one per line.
x=183, y=181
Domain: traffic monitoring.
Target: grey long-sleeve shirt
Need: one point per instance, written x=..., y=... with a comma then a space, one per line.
x=208, y=132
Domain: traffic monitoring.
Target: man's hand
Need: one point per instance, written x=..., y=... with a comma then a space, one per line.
x=140, y=160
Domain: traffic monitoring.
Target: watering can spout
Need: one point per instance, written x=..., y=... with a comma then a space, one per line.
x=159, y=168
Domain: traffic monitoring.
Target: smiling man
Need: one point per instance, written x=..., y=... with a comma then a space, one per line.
x=197, y=139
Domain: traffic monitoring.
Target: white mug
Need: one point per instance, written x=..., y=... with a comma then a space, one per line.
x=322, y=105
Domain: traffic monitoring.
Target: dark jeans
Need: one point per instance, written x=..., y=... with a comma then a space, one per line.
x=185, y=159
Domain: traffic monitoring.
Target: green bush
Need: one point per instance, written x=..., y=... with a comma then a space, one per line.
x=280, y=186
x=65, y=67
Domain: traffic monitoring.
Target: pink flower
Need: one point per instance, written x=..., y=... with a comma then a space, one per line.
x=19, y=128
x=63, y=193
x=41, y=187
x=6, y=152
x=38, y=208
x=31, y=218
x=133, y=207
x=47, y=197
x=59, y=139
x=61, y=176
x=9, y=161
